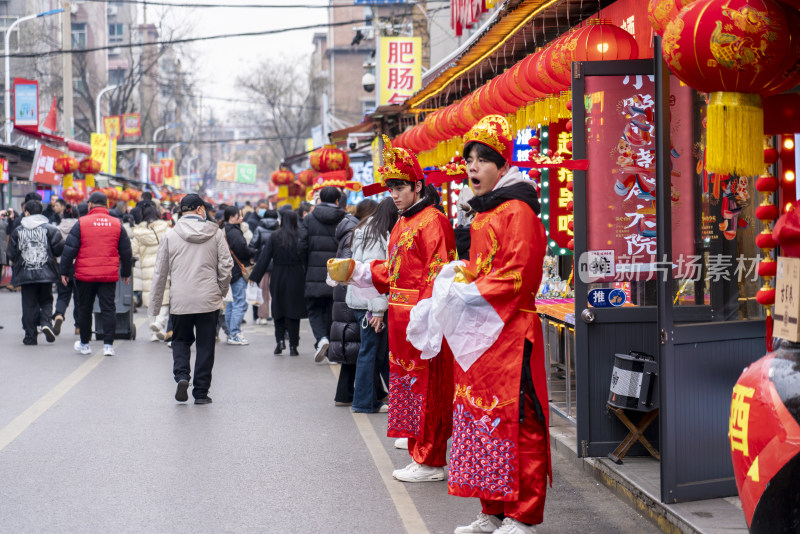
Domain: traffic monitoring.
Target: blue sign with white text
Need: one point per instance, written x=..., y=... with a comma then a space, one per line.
x=606, y=298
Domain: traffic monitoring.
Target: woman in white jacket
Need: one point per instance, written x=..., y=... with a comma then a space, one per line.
x=370, y=240
x=147, y=235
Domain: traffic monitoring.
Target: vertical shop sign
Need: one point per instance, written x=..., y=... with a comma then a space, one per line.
x=620, y=183
x=131, y=125
x=3, y=171
x=26, y=102
x=169, y=167
x=226, y=171
x=559, y=195
x=104, y=150
x=42, y=169
x=112, y=126
x=157, y=174
x=400, y=73
x=245, y=173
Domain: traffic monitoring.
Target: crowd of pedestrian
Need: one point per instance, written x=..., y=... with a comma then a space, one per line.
x=451, y=349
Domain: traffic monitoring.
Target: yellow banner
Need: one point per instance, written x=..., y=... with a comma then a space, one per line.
x=400, y=74
x=104, y=150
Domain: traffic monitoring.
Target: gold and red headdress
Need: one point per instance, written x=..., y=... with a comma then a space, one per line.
x=494, y=132
x=398, y=164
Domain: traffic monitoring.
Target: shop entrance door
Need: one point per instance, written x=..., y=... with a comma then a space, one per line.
x=602, y=332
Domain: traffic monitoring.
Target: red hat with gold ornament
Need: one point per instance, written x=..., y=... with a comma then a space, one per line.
x=334, y=179
x=398, y=164
x=492, y=131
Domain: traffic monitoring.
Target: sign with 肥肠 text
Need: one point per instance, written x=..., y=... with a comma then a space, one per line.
x=400, y=71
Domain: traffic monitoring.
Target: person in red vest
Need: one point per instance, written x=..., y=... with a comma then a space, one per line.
x=101, y=251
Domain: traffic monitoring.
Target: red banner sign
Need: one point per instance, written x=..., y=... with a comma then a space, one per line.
x=169, y=167
x=42, y=169
x=131, y=125
x=620, y=183
x=559, y=195
x=157, y=174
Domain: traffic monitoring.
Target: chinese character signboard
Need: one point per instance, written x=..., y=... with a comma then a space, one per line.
x=400, y=73
x=226, y=171
x=104, y=150
x=559, y=195
x=787, y=299
x=245, y=173
x=26, y=102
x=112, y=125
x=3, y=171
x=42, y=169
x=620, y=183
x=131, y=125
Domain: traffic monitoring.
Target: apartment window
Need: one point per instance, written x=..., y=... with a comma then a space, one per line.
x=367, y=106
x=78, y=35
x=115, y=33
x=79, y=86
x=116, y=76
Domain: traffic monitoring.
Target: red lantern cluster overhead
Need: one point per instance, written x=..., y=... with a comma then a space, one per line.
x=735, y=50
x=662, y=12
x=282, y=176
x=72, y=195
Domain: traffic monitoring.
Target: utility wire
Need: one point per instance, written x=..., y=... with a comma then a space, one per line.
x=244, y=140
x=248, y=6
x=186, y=40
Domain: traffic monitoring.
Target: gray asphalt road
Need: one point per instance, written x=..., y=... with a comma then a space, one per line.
x=94, y=444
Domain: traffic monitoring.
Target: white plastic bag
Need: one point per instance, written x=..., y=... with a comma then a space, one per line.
x=228, y=296
x=254, y=296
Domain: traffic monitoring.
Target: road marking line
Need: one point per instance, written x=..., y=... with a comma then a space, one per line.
x=16, y=427
x=406, y=509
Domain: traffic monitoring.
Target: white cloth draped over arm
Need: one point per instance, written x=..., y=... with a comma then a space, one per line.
x=459, y=313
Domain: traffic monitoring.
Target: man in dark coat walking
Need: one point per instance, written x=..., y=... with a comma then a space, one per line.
x=33, y=248
x=317, y=245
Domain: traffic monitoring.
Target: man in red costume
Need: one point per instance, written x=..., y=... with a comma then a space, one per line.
x=485, y=310
x=422, y=241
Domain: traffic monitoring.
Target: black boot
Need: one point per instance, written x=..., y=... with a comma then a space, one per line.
x=280, y=347
x=293, y=351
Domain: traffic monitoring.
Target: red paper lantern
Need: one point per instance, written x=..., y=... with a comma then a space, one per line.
x=65, y=165
x=766, y=297
x=90, y=166
x=329, y=158
x=557, y=63
x=789, y=72
x=600, y=40
x=282, y=176
x=527, y=78
x=662, y=12
x=307, y=177
x=767, y=184
x=733, y=50
x=768, y=212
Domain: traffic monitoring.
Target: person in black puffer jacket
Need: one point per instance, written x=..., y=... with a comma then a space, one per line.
x=345, y=333
x=242, y=256
x=316, y=246
x=267, y=224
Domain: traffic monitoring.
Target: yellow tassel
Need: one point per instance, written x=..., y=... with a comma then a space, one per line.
x=89, y=181
x=67, y=181
x=734, y=131
x=530, y=113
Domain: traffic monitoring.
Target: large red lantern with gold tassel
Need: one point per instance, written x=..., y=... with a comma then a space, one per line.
x=732, y=50
x=600, y=40
x=66, y=165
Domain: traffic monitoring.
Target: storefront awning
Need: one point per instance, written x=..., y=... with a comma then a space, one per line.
x=70, y=144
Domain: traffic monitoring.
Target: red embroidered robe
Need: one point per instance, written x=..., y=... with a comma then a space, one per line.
x=420, y=391
x=506, y=252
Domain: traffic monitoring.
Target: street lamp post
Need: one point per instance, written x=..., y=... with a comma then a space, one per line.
x=97, y=103
x=161, y=129
x=173, y=147
x=8, y=68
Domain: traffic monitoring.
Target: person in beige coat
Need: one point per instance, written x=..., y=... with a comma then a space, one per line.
x=194, y=256
x=147, y=236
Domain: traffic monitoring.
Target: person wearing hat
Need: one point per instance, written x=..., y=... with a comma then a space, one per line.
x=420, y=385
x=500, y=405
x=101, y=251
x=195, y=257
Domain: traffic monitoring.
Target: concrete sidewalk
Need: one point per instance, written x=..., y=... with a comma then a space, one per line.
x=637, y=482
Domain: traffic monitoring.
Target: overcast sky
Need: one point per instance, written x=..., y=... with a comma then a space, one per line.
x=222, y=61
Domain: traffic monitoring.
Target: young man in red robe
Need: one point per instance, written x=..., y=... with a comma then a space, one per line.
x=422, y=241
x=485, y=310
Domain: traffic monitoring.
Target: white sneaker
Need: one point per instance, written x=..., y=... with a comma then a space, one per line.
x=154, y=337
x=420, y=473
x=80, y=347
x=108, y=350
x=262, y=321
x=396, y=471
x=512, y=526
x=322, y=349
x=484, y=523
x=158, y=330
x=401, y=443
x=237, y=340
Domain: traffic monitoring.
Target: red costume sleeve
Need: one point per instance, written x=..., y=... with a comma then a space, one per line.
x=508, y=257
x=380, y=275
